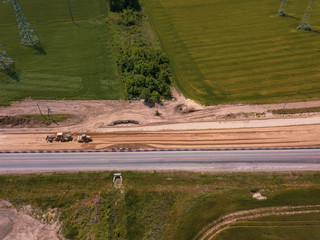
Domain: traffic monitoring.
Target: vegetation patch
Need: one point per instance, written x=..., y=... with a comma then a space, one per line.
x=166, y=205
x=238, y=51
x=16, y=121
x=143, y=65
x=296, y=110
x=38, y=117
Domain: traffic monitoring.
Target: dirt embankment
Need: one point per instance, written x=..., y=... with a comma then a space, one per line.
x=101, y=116
x=16, y=225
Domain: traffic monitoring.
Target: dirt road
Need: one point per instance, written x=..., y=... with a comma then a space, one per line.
x=288, y=136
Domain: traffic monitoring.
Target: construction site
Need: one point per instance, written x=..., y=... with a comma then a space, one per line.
x=134, y=125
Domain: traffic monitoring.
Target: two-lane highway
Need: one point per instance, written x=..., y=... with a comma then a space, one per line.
x=244, y=160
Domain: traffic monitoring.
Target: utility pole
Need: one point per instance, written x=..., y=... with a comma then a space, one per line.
x=282, y=8
x=304, y=24
x=70, y=11
x=6, y=62
x=27, y=35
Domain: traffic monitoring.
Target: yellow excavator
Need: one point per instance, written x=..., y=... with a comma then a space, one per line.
x=60, y=137
x=84, y=138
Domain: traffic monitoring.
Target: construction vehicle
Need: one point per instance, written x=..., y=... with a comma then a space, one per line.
x=50, y=138
x=60, y=137
x=84, y=138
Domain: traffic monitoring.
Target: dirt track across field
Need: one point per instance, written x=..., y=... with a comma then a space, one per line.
x=182, y=124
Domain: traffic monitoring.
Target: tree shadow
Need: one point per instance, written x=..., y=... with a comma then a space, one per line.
x=149, y=104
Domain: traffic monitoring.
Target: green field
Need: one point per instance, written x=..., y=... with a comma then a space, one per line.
x=168, y=205
x=298, y=227
x=78, y=63
x=239, y=51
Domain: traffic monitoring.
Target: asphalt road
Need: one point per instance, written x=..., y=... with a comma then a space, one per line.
x=244, y=160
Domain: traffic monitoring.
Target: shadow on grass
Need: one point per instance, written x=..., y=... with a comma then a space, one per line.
x=293, y=17
x=315, y=31
x=14, y=75
x=40, y=50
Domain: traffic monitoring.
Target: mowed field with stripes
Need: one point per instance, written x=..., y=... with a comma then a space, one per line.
x=78, y=61
x=230, y=51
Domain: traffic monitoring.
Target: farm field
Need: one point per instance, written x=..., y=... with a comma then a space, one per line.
x=239, y=51
x=171, y=205
x=77, y=63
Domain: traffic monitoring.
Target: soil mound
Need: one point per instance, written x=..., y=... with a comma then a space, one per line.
x=123, y=122
x=14, y=121
x=181, y=108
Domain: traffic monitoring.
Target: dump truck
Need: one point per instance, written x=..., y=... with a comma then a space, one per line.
x=60, y=137
x=84, y=138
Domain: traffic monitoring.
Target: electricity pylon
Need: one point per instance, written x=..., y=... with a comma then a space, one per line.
x=27, y=35
x=282, y=8
x=304, y=24
x=6, y=62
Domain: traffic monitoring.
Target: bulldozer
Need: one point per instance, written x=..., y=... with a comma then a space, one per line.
x=60, y=137
x=84, y=138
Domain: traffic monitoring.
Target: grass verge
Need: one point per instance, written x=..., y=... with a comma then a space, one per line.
x=38, y=117
x=296, y=110
x=158, y=205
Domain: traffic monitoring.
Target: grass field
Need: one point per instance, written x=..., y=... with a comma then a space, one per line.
x=298, y=227
x=239, y=51
x=168, y=205
x=78, y=63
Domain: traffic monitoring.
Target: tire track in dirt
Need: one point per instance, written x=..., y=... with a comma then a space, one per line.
x=225, y=222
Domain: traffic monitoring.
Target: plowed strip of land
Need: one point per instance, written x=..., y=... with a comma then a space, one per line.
x=288, y=136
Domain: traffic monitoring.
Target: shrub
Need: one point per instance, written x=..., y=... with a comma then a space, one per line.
x=129, y=17
x=143, y=65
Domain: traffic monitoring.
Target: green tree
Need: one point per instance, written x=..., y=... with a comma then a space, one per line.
x=145, y=94
x=129, y=17
x=155, y=97
x=116, y=5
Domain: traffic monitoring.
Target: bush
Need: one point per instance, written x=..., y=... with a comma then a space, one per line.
x=145, y=94
x=129, y=17
x=143, y=65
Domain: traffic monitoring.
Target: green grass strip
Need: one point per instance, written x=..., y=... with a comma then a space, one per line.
x=296, y=110
x=38, y=117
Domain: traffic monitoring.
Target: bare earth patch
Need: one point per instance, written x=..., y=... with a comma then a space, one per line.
x=16, y=225
x=183, y=124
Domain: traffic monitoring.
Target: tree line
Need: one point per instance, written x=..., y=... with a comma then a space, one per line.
x=144, y=66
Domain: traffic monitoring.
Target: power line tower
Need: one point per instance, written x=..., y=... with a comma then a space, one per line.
x=282, y=8
x=304, y=24
x=27, y=35
x=6, y=62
